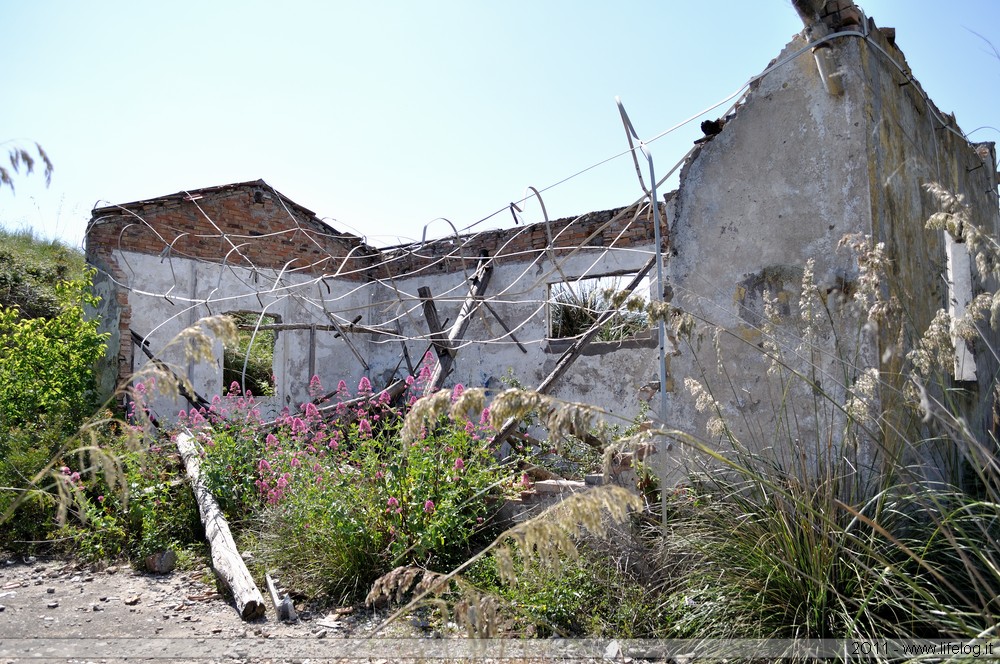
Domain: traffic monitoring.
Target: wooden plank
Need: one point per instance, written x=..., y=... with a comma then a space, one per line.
x=350, y=344
x=477, y=287
x=438, y=339
x=510, y=333
x=226, y=559
x=573, y=352
x=193, y=398
x=349, y=327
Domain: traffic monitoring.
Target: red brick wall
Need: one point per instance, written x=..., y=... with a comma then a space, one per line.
x=595, y=229
x=267, y=232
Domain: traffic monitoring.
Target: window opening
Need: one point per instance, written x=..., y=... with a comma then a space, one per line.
x=575, y=305
x=260, y=365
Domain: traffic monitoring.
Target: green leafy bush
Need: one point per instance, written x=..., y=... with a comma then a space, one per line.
x=46, y=392
x=47, y=364
x=155, y=511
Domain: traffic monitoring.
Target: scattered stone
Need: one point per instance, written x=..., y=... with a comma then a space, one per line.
x=51, y=591
x=53, y=604
x=321, y=634
x=2, y=608
x=132, y=601
x=161, y=562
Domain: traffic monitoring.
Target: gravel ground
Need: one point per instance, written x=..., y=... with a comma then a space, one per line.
x=64, y=611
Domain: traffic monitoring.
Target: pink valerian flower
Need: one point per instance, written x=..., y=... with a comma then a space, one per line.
x=342, y=390
x=315, y=387
x=364, y=427
x=485, y=417
x=459, y=463
x=457, y=391
x=312, y=412
x=298, y=425
x=392, y=505
x=263, y=466
x=295, y=462
x=469, y=426
x=429, y=507
x=271, y=440
x=409, y=381
x=365, y=386
x=234, y=387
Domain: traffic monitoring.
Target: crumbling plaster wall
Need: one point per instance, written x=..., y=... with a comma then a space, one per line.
x=608, y=375
x=292, y=298
x=794, y=171
x=912, y=143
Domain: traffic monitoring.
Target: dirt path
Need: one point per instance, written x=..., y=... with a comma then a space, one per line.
x=73, y=612
x=63, y=611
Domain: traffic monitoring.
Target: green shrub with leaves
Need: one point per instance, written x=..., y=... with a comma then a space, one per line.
x=47, y=390
x=155, y=510
x=47, y=364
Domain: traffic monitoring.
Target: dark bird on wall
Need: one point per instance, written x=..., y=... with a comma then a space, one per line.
x=712, y=127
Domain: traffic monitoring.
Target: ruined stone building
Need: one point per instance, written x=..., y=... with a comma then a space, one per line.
x=836, y=138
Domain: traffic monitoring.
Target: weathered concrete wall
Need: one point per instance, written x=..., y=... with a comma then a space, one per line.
x=607, y=376
x=161, y=292
x=793, y=172
x=782, y=183
x=195, y=289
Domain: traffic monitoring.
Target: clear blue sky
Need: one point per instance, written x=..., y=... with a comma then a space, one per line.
x=382, y=115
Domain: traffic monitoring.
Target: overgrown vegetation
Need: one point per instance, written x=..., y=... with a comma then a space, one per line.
x=335, y=504
x=574, y=307
x=47, y=357
x=838, y=533
x=249, y=362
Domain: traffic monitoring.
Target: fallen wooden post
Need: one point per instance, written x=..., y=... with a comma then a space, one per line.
x=283, y=606
x=226, y=559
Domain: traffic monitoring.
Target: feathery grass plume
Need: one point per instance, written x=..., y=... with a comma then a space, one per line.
x=395, y=585
x=472, y=400
x=862, y=400
x=477, y=614
x=716, y=426
x=426, y=410
x=955, y=218
x=559, y=417
x=20, y=157
x=934, y=349
x=873, y=265
x=554, y=533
